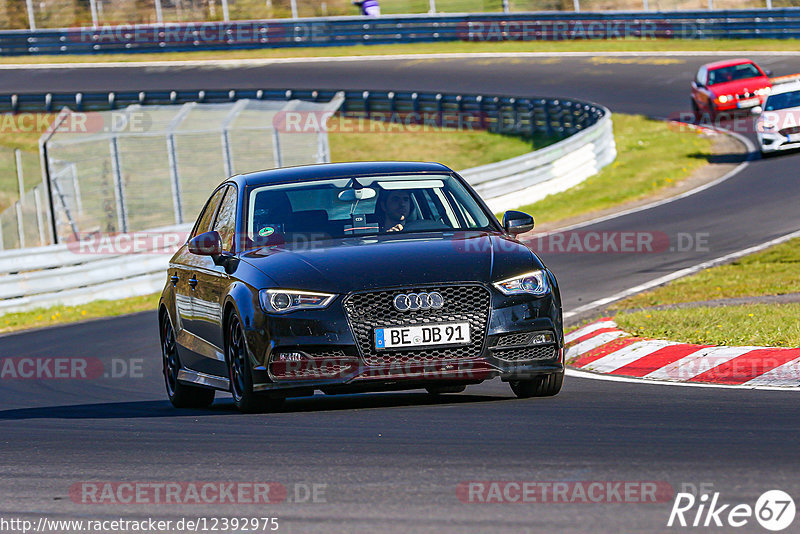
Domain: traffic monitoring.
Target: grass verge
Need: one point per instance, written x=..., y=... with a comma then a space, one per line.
x=56, y=315
x=770, y=272
x=589, y=45
x=458, y=149
x=771, y=325
x=650, y=156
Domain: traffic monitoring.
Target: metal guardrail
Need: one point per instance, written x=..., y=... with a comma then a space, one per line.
x=60, y=274
x=63, y=274
x=781, y=23
x=531, y=177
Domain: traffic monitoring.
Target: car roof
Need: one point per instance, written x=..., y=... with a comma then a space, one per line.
x=319, y=171
x=728, y=63
x=787, y=87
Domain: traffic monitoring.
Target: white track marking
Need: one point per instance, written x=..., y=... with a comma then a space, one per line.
x=698, y=363
x=730, y=174
x=256, y=62
x=576, y=373
x=593, y=343
x=626, y=355
x=787, y=374
x=588, y=329
x=679, y=274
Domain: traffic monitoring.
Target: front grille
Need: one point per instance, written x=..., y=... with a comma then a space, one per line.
x=322, y=364
x=790, y=131
x=322, y=353
x=369, y=310
x=539, y=352
x=513, y=340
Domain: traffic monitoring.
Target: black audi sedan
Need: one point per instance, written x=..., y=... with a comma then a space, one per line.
x=355, y=277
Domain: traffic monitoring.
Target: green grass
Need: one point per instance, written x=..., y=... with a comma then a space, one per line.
x=458, y=149
x=771, y=272
x=756, y=324
x=650, y=156
x=618, y=45
x=56, y=315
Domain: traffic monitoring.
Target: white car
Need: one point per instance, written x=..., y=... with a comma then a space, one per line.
x=778, y=123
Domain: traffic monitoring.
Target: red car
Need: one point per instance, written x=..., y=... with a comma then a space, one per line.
x=729, y=86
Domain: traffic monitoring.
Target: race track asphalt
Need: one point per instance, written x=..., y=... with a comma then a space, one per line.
x=392, y=461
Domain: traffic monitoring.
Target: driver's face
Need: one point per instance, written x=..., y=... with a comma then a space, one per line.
x=398, y=205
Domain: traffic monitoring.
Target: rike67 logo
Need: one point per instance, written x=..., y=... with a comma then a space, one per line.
x=774, y=510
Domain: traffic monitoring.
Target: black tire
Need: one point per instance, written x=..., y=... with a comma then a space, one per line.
x=240, y=374
x=179, y=394
x=439, y=390
x=696, y=110
x=540, y=386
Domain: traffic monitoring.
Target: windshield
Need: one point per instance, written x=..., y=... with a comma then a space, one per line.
x=372, y=205
x=783, y=101
x=733, y=73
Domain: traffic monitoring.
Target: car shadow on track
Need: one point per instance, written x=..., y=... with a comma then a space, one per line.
x=317, y=403
x=722, y=158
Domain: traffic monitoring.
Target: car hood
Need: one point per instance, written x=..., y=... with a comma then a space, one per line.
x=738, y=86
x=351, y=264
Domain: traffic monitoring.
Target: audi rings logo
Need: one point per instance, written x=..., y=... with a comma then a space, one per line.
x=418, y=301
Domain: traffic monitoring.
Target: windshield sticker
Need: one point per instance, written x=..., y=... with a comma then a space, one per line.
x=266, y=231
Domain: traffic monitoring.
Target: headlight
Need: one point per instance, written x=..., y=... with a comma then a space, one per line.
x=532, y=283
x=286, y=300
x=724, y=98
x=763, y=91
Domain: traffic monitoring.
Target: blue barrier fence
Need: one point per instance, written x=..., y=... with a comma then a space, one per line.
x=734, y=24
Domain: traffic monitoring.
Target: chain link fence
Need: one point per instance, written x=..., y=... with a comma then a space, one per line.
x=33, y=14
x=142, y=168
x=23, y=219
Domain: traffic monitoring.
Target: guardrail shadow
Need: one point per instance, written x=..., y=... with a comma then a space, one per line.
x=317, y=403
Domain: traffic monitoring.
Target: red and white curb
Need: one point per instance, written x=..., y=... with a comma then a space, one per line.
x=601, y=347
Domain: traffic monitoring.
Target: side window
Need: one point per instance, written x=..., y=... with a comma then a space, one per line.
x=701, y=76
x=226, y=219
x=207, y=216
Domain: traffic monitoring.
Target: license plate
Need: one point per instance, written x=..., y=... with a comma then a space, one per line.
x=748, y=103
x=422, y=335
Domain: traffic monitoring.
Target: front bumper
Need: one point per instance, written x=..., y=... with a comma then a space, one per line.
x=319, y=350
x=346, y=374
x=775, y=142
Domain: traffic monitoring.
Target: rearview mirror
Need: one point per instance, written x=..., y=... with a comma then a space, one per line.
x=517, y=222
x=206, y=244
x=756, y=110
x=351, y=195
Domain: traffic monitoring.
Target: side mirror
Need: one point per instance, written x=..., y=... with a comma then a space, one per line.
x=206, y=244
x=768, y=72
x=756, y=110
x=517, y=222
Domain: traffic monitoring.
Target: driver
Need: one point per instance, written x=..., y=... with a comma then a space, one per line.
x=394, y=209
